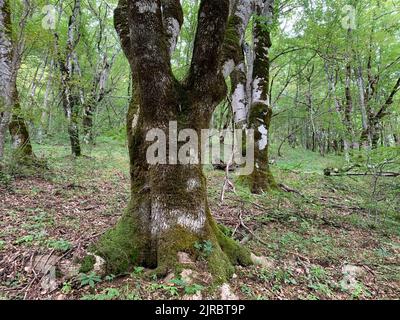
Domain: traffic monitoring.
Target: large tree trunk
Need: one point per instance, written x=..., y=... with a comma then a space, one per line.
x=168, y=212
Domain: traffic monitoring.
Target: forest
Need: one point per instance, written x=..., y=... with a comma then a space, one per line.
x=199, y=149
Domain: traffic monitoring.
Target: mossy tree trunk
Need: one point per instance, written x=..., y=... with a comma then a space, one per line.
x=168, y=212
x=67, y=63
x=6, y=74
x=20, y=140
x=250, y=86
x=10, y=111
x=260, y=113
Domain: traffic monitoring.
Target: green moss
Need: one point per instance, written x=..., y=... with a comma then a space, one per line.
x=261, y=180
x=130, y=242
x=227, y=254
x=232, y=48
x=87, y=264
x=225, y=230
x=237, y=254
x=176, y=240
x=119, y=246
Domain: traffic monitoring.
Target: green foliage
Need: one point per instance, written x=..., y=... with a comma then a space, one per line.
x=205, y=248
x=66, y=288
x=189, y=289
x=28, y=239
x=246, y=290
x=171, y=290
x=87, y=264
x=109, y=277
x=90, y=279
x=138, y=270
x=60, y=245
x=106, y=294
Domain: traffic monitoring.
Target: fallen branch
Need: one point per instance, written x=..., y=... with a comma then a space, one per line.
x=380, y=174
x=288, y=189
x=250, y=231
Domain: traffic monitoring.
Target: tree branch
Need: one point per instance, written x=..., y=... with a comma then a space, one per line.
x=212, y=22
x=172, y=20
x=382, y=112
x=149, y=53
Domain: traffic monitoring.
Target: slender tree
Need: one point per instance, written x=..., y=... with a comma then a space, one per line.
x=250, y=80
x=69, y=69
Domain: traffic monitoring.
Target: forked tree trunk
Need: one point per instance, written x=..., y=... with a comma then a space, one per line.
x=168, y=212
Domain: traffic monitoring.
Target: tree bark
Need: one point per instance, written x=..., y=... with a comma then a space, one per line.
x=68, y=67
x=6, y=74
x=250, y=82
x=375, y=120
x=20, y=140
x=260, y=113
x=168, y=212
x=10, y=110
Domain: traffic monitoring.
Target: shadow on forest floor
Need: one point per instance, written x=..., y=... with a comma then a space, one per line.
x=334, y=239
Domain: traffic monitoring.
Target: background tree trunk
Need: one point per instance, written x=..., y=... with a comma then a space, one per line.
x=20, y=140
x=68, y=68
x=260, y=113
x=10, y=61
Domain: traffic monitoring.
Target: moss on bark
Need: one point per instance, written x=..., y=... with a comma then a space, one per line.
x=119, y=246
x=122, y=248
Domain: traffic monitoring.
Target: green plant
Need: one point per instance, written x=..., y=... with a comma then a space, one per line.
x=107, y=294
x=317, y=273
x=193, y=289
x=60, y=245
x=284, y=276
x=205, y=247
x=357, y=291
x=263, y=275
x=138, y=270
x=110, y=277
x=246, y=290
x=28, y=239
x=2, y=244
x=89, y=279
x=66, y=288
x=133, y=296
x=321, y=288
x=172, y=290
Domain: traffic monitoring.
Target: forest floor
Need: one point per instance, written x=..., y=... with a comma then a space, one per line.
x=330, y=238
